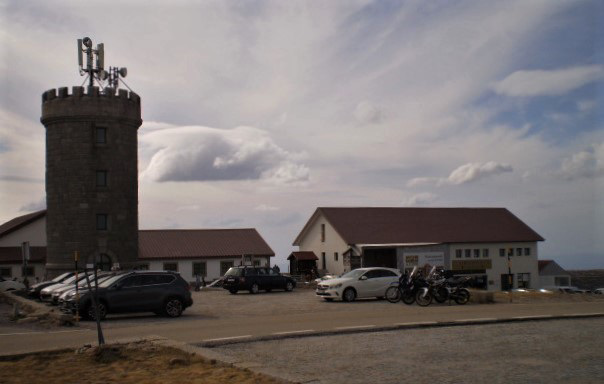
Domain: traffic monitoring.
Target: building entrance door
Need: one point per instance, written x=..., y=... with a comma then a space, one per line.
x=507, y=282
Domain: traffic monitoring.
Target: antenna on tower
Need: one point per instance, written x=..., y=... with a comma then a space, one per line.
x=98, y=72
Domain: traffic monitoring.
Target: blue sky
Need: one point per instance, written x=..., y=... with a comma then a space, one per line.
x=255, y=113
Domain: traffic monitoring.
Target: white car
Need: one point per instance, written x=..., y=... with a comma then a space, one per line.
x=10, y=285
x=358, y=283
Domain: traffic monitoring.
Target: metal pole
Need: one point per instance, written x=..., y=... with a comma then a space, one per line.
x=77, y=315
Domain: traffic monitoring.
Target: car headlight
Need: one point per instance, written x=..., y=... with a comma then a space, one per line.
x=335, y=286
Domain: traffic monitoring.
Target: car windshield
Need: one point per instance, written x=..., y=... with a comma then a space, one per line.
x=70, y=280
x=61, y=277
x=234, y=272
x=110, y=281
x=355, y=273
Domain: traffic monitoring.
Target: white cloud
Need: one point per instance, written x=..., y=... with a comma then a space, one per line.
x=548, y=83
x=367, y=113
x=424, y=198
x=586, y=105
x=195, y=153
x=266, y=208
x=464, y=174
x=585, y=164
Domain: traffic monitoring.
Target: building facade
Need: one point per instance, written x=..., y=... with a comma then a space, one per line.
x=91, y=177
x=488, y=243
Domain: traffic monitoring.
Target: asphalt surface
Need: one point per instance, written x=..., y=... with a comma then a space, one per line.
x=556, y=351
x=287, y=324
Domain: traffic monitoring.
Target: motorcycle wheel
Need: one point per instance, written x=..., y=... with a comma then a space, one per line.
x=441, y=295
x=423, y=297
x=408, y=297
x=393, y=294
x=462, y=297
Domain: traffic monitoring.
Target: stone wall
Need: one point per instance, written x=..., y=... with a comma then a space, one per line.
x=73, y=157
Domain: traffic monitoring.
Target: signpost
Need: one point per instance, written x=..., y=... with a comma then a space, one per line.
x=25, y=252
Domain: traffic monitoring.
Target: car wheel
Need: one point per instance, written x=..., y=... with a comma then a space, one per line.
x=233, y=291
x=102, y=311
x=254, y=288
x=393, y=294
x=173, y=307
x=349, y=294
x=289, y=286
x=268, y=289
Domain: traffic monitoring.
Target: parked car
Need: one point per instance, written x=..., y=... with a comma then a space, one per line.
x=46, y=293
x=254, y=279
x=10, y=285
x=82, y=284
x=161, y=292
x=34, y=290
x=359, y=283
x=598, y=291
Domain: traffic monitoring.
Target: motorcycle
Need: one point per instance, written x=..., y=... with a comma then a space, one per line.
x=404, y=290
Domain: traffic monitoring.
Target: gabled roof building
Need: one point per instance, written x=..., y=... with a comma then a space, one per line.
x=206, y=253
x=477, y=241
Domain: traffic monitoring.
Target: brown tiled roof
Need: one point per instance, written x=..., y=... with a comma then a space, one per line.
x=12, y=255
x=193, y=243
x=391, y=225
x=303, y=255
x=19, y=222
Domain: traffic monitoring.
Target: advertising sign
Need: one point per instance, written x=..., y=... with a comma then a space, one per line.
x=421, y=259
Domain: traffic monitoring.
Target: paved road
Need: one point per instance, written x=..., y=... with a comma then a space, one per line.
x=556, y=351
x=218, y=315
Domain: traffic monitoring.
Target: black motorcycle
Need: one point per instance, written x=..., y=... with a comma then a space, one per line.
x=404, y=290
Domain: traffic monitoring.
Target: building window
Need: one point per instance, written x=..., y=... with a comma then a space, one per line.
x=518, y=251
x=335, y=256
x=102, y=222
x=324, y=261
x=510, y=251
x=256, y=263
x=101, y=178
x=225, y=266
x=527, y=251
x=143, y=267
x=100, y=135
x=30, y=271
x=199, y=269
x=524, y=280
x=468, y=252
x=458, y=253
x=322, y=233
x=171, y=267
x=502, y=252
x=485, y=252
x=6, y=272
x=477, y=253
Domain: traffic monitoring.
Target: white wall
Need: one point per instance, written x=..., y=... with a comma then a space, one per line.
x=519, y=264
x=185, y=267
x=34, y=232
x=311, y=241
x=16, y=271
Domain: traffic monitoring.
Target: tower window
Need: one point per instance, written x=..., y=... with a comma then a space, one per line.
x=101, y=135
x=101, y=178
x=102, y=222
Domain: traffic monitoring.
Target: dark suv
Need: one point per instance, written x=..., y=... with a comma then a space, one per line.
x=161, y=292
x=254, y=279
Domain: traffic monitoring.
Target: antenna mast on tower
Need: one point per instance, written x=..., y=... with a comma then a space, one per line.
x=98, y=72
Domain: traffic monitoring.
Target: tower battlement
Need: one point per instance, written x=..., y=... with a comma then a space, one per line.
x=84, y=103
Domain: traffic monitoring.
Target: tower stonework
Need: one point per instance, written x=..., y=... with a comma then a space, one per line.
x=91, y=177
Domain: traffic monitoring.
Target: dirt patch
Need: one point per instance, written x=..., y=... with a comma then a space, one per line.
x=140, y=362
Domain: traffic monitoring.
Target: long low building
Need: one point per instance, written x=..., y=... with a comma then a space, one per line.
x=206, y=253
x=488, y=243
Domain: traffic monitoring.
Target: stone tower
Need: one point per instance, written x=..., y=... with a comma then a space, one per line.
x=91, y=177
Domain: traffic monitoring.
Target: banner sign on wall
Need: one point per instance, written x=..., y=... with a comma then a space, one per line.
x=421, y=259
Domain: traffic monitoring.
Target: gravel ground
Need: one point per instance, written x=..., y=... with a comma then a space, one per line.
x=568, y=351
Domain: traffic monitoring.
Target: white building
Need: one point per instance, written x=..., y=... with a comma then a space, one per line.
x=208, y=253
x=553, y=275
x=477, y=241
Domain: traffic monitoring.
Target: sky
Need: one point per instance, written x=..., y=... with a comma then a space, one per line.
x=255, y=113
